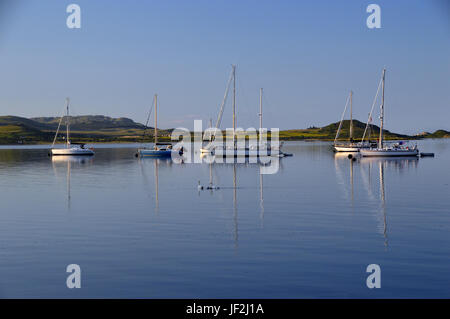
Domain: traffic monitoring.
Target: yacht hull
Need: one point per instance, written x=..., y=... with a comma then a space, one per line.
x=155, y=153
x=71, y=152
x=245, y=152
x=388, y=153
x=351, y=147
x=347, y=148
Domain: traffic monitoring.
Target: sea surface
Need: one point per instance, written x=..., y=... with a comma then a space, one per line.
x=141, y=228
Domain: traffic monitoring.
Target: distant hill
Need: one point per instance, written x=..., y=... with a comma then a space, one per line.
x=17, y=130
x=438, y=134
x=99, y=128
x=90, y=122
x=88, y=128
x=329, y=132
x=358, y=130
x=22, y=121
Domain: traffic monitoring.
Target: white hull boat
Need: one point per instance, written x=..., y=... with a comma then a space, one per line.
x=75, y=149
x=347, y=148
x=261, y=148
x=72, y=151
x=396, y=150
x=352, y=147
x=388, y=152
x=245, y=152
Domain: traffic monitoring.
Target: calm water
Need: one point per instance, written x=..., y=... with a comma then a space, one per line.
x=141, y=229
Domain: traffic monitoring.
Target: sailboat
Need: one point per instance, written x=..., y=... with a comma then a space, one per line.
x=210, y=148
x=350, y=146
x=396, y=149
x=234, y=150
x=70, y=149
x=159, y=149
x=263, y=147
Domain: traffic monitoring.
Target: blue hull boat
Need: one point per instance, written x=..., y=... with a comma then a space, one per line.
x=154, y=153
x=159, y=149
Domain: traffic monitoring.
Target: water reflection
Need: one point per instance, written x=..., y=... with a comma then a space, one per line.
x=68, y=161
x=369, y=167
x=341, y=159
x=247, y=162
x=398, y=164
x=261, y=197
x=156, y=162
x=383, y=201
x=211, y=186
x=308, y=219
x=235, y=213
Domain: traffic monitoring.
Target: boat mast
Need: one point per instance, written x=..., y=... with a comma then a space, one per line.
x=342, y=119
x=156, y=120
x=67, y=123
x=380, y=142
x=234, y=105
x=210, y=126
x=260, y=114
x=351, y=117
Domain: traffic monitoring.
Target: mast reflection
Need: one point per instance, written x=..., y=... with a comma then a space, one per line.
x=381, y=165
x=156, y=164
x=68, y=162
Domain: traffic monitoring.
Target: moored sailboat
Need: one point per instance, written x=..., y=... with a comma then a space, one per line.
x=258, y=149
x=70, y=149
x=159, y=149
x=351, y=145
x=382, y=150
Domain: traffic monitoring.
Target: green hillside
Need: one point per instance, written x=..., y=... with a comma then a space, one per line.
x=90, y=123
x=22, y=121
x=329, y=132
x=438, y=134
x=88, y=129
x=98, y=128
x=22, y=134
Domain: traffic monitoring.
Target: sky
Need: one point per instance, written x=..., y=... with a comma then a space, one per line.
x=307, y=55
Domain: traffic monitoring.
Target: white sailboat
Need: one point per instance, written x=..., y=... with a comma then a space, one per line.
x=263, y=148
x=159, y=149
x=70, y=149
x=210, y=148
x=234, y=150
x=396, y=149
x=350, y=146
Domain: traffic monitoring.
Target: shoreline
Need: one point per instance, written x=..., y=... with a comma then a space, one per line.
x=167, y=140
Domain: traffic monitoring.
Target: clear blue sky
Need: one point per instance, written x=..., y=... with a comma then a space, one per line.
x=306, y=55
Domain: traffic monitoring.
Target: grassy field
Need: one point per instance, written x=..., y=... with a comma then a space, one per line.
x=19, y=134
